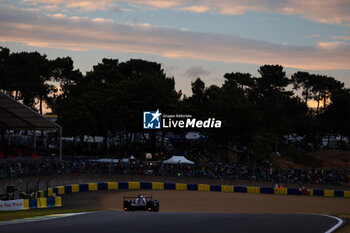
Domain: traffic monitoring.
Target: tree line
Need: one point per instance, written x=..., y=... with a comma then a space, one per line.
x=256, y=112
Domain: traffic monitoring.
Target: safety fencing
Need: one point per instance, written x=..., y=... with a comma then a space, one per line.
x=121, y=185
x=35, y=203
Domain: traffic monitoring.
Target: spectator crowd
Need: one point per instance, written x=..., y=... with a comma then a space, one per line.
x=10, y=168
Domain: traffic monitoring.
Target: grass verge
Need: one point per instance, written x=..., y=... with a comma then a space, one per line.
x=18, y=214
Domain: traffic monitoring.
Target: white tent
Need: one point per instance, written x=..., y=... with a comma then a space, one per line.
x=192, y=136
x=105, y=160
x=177, y=159
x=108, y=160
x=125, y=160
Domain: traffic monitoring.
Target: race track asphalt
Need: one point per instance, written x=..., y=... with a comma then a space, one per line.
x=171, y=222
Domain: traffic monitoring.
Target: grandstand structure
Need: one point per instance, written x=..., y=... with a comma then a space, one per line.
x=16, y=116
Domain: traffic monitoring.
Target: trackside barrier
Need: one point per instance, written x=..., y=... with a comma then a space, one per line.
x=35, y=203
x=113, y=185
x=215, y=188
x=80, y=188
x=59, y=190
x=311, y=192
x=25, y=204
x=169, y=186
x=180, y=186
x=239, y=189
x=293, y=191
x=267, y=190
x=50, y=201
x=58, y=201
x=145, y=185
x=193, y=187
x=102, y=186
x=75, y=188
x=123, y=185
x=318, y=192
x=253, y=190
x=203, y=187
x=42, y=193
x=157, y=185
x=328, y=193
x=68, y=189
x=280, y=191
x=135, y=185
x=48, y=192
x=93, y=187
x=339, y=193
x=227, y=188
x=42, y=202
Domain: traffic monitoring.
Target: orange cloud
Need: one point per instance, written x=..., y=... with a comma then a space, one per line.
x=330, y=12
x=102, y=20
x=41, y=30
x=341, y=37
x=88, y=5
x=330, y=44
x=196, y=9
x=157, y=3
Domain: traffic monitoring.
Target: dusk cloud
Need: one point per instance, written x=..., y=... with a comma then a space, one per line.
x=59, y=31
x=341, y=37
x=330, y=12
x=196, y=9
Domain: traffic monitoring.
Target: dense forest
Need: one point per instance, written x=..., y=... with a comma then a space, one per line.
x=257, y=112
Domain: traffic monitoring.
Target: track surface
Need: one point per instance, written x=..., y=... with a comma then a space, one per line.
x=126, y=222
x=209, y=202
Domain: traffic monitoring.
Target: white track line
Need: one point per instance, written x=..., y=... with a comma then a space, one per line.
x=336, y=226
x=42, y=218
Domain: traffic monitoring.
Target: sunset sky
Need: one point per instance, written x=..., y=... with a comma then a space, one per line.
x=190, y=38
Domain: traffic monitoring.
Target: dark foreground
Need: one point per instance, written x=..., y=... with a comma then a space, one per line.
x=146, y=222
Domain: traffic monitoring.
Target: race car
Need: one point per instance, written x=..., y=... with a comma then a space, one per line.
x=140, y=203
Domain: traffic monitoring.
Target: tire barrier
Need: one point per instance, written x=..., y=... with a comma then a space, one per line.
x=132, y=185
x=203, y=187
x=35, y=203
x=227, y=188
x=280, y=191
x=253, y=190
x=42, y=202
